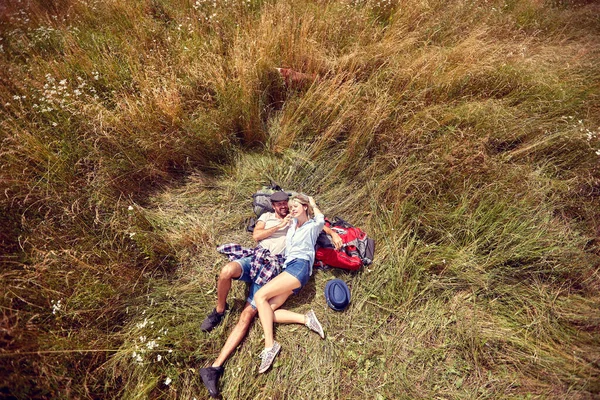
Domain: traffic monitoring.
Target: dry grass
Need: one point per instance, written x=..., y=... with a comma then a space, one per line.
x=463, y=136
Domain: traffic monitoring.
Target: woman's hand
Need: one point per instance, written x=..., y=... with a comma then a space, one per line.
x=312, y=202
x=285, y=222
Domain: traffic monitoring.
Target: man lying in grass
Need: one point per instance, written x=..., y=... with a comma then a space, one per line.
x=270, y=233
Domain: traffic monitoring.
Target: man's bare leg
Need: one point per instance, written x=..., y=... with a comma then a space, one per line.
x=230, y=271
x=239, y=332
x=210, y=375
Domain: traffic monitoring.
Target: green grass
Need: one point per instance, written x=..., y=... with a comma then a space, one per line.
x=463, y=136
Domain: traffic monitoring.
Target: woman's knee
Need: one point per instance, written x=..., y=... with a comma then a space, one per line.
x=260, y=298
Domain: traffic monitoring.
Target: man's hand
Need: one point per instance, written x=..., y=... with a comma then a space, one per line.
x=337, y=240
x=260, y=232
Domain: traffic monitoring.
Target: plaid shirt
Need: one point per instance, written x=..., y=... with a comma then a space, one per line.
x=264, y=265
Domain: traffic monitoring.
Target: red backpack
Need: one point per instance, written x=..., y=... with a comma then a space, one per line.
x=358, y=249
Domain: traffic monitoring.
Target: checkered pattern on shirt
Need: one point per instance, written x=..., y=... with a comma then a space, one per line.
x=264, y=265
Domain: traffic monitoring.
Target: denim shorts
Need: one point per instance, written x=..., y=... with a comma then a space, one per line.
x=300, y=269
x=245, y=277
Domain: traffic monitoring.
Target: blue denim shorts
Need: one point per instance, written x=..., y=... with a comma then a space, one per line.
x=245, y=277
x=300, y=269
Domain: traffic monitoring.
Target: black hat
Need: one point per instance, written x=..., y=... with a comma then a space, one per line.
x=337, y=294
x=279, y=196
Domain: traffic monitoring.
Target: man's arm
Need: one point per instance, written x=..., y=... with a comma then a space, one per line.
x=337, y=240
x=261, y=233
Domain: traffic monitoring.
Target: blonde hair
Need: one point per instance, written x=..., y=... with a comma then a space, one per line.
x=303, y=199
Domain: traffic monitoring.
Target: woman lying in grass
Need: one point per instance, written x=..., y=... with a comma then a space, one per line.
x=300, y=255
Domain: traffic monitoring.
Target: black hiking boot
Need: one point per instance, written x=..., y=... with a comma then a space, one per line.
x=210, y=377
x=213, y=319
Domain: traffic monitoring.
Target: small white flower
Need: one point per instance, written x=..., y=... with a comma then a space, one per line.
x=130, y=208
x=56, y=306
x=142, y=324
x=151, y=344
x=168, y=381
x=54, y=124
x=158, y=357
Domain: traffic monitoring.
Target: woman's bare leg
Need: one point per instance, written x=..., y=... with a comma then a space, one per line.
x=270, y=297
x=288, y=317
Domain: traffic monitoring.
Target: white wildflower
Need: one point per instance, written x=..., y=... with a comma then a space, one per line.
x=168, y=381
x=56, y=306
x=158, y=357
x=142, y=324
x=130, y=208
x=151, y=345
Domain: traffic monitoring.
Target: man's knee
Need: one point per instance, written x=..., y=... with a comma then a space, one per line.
x=231, y=270
x=247, y=316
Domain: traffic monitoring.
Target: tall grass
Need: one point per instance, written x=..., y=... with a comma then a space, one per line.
x=463, y=136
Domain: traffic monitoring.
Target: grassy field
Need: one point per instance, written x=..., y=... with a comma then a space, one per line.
x=464, y=136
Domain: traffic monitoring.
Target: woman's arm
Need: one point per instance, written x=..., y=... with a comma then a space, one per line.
x=313, y=204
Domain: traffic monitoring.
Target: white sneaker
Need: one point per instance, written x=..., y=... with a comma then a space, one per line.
x=267, y=356
x=313, y=323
